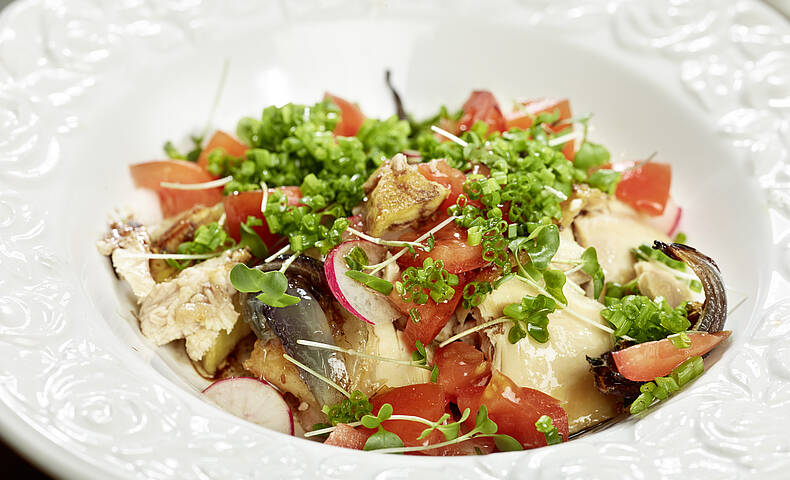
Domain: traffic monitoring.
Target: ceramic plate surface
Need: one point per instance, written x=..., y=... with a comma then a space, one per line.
x=87, y=87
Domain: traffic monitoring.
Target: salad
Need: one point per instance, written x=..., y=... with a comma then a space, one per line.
x=474, y=282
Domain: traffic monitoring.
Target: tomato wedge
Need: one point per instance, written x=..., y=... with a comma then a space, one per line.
x=241, y=205
x=645, y=186
x=443, y=174
x=460, y=365
x=450, y=246
x=222, y=140
x=515, y=410
x=150, y=175
x=424, y=400
x=523, y=118
x=646, y=361
x=482, y=106
x=433, y=316
x=351, y=117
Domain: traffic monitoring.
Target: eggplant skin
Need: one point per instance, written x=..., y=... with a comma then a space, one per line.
x=609, y=381
x=713, y=314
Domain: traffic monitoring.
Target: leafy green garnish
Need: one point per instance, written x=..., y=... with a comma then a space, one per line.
x=208, y=238
x=591, y=267
x=475, y=292
x=272, y=285
x=680, y=340
x=591, y=155
x=431, y=280
x=356, y=259
x=647, y=253
x=350, y=410
x=644, y=319
x=615, y=290
x=662, y=387
x=251, y=240
x=605, y=180
x=531, y=316
x=555, y=280
x=378, y=284
x=192, y=156
x=545, y=425
x=382, y=439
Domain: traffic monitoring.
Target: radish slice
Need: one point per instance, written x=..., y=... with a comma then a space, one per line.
x=253, y=400
x=669, y=221
x=364, y=303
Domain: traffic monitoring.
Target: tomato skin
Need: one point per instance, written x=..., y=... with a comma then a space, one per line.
x=482, y=106
x=445, y=175
x=646, y=361
x=460, y=365
x=347, y=437
x=351, y=117
x=240, y=205
x=150, y=175
x=522, y=119
x=515, y=410
x=451, y=247
x=645, y=186
x=424, y=400
x=224, y=141
x=433, y=316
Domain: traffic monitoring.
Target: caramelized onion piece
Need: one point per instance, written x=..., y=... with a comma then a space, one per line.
x=714, y=311
x=609, y=381
x=396, y=98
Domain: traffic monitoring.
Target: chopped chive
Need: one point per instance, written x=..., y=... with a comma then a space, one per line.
x=378, y=284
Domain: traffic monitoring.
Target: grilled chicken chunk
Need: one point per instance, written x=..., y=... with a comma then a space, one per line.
x=614, y=228
x=654, y=281
x=558, y=367
x=195, y=305
x=398, y=194
x=126, y=239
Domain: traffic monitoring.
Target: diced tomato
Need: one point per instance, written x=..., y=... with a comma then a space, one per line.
x=645, y=187
x=241, y=205
x=433, y=316
x=523, y=118
x=451, y=247
x=515, y=410
x=357, y=222
x=222, y=140
x=442, y=173
x=351, y=117
x=347, y=437
x=482, y=106
x=646, y=361
x=424, y=400
x=150, y=175
x=460, y=365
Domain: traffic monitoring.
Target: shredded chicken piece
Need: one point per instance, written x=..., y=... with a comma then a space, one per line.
x=195, y=305
x=127, y=239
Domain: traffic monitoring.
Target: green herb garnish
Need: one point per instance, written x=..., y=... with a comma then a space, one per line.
x=531, y=316
x=662, y=387
x=271, y=285
x=643, y=319
x=545, y=425
x=432, y=280
x=378, y=284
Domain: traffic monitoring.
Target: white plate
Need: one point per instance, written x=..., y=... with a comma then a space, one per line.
x=88, y=87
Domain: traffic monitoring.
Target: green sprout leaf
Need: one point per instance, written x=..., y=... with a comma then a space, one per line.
x=356, y=259
x=251, y=240
x=378, y=284
x=382, y=439
x=591, y=155
x=591, y=267
x=555, y=280
x=272, y=285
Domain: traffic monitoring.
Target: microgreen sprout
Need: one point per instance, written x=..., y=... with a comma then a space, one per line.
x=271, y=285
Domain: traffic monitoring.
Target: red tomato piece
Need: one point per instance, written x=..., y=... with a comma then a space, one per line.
x=443, y=174
x=460, y=365
x=226, y=142
x=351, y=117
x=241, y=205
x=646, y=187
x=515, y=410
x=523, y=118
x=150, y=175
x=433, y=316
x=482, y=106
x=451, y=247
x=424, y=400
x=347, y=437
x=646, y=361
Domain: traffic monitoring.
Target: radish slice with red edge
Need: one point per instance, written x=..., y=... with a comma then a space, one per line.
x=366, y=304
x=253, y=400
x=669, y=221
